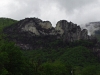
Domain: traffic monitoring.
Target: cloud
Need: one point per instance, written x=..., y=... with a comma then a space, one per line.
x=73, y=4
x=77, y=11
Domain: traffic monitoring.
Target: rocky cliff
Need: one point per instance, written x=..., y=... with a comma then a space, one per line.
x=29, y=32
x=70, y=31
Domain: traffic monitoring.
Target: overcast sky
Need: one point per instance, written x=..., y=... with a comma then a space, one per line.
x=77, y=11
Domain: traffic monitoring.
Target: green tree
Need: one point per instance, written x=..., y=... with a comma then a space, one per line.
x=12, y=61
x=55, y=68
x=79, y=56
x=91, y=70
x=3, y=60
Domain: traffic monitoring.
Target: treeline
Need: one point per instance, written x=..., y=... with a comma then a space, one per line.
x=65, y=61
x=12, y=61
x=6, y=22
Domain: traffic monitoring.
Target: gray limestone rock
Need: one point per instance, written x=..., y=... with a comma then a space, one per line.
x=46, y=24
x=70, y=31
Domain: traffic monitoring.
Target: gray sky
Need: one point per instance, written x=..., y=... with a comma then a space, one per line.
x=77, y=11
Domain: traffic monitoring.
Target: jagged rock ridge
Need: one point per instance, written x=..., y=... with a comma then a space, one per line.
x=28, y=32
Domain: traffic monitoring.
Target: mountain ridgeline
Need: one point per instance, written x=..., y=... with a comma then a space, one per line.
x=34, y=47
x=31, y=33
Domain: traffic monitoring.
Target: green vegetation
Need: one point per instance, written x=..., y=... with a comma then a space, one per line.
x=64, y=61
x=12, y=61
x=6, y=22
x=74, y=59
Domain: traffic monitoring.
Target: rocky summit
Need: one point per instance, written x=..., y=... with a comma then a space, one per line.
x=31, y=33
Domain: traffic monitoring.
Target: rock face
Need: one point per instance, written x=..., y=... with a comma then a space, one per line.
x=70, y=31
x=28, y=32
x=31, y=28
x=45, y=25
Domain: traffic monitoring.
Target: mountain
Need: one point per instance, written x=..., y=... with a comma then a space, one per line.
x=32, y=46
x=31, y=33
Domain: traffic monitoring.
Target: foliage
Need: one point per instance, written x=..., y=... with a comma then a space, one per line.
x=6, y=22
x=55, y=68
x=56, y=58
x=12, y=61
x=91, y=70
x=78, y=56
x=45, y=61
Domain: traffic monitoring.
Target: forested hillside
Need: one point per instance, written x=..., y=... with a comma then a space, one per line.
x=74, y=58
x=6, y=22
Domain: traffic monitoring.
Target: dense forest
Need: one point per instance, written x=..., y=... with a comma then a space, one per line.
x=72, y=59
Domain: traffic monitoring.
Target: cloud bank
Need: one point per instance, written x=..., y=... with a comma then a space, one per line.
x=77, y=11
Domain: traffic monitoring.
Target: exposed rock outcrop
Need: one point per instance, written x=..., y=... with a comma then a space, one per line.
x=70, y=31
x=45, y=25
x=31, y=28
x=30, y=31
